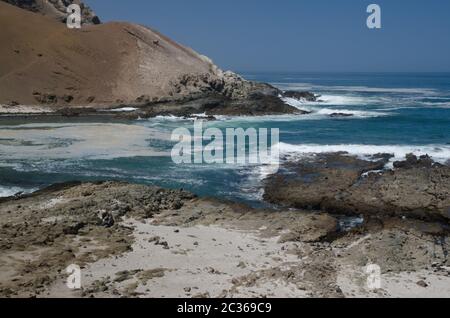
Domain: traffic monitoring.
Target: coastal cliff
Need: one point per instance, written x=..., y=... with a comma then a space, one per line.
x=45, y=63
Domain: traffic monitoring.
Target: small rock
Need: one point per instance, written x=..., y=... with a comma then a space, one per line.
x=422, y=284
x=242, y=265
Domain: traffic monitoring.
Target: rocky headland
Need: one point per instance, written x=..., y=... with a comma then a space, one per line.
x=417, y=188
x=47, y=68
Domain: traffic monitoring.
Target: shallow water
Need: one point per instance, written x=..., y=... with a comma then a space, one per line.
x=394, y=113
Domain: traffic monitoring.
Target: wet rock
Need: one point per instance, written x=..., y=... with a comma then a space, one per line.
x=338, y=115
x=302, y=96
x=413, y=162
x=205, y=118
x=417, y=188
x=314, y=183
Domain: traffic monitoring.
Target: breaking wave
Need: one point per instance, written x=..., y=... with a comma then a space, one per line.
x=355, y=89
x=439, y=153
x=10, y=191
x=316, y=109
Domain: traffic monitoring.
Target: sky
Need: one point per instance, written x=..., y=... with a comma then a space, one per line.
x=299, y=35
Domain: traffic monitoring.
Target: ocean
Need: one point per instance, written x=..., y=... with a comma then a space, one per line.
x=391, y=113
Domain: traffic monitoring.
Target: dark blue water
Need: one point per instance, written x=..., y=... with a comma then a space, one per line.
x=394, y=113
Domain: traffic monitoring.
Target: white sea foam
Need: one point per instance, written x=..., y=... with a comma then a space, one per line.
x=439, y=153
x=335, y=100
x=123, y=109
x=355, y=113
x=316, y=108
x=10, y=191
x=437, y=105
x=168, y=118
x=355, y=89
x=78, y=141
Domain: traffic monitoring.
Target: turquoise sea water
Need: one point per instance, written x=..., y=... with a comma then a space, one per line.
x=394, y=113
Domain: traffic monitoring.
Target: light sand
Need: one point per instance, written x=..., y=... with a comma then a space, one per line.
x=353, y=282
x=171, y=244
x=22, y=109
x=200, y=260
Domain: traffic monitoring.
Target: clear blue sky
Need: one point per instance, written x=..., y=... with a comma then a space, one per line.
x=299, y=35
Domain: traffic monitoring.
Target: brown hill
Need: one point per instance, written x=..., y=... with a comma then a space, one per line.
x=42, y=62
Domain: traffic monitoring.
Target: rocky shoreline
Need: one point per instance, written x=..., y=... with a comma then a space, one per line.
x=416, y=188
x=264, y=99
x=143, y=241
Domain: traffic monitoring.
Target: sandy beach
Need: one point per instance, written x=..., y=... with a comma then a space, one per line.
x=139, y=241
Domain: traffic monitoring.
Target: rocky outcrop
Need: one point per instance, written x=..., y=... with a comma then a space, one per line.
x=57, y=9
x=228, y=84
x=341, y=115
x=417, y=188
x=302, y=96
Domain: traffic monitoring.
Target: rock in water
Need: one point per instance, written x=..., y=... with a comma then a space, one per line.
x=339, y=115
x=417, y=188
x=302, y=96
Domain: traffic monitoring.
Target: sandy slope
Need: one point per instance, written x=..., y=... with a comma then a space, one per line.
x=43, y=62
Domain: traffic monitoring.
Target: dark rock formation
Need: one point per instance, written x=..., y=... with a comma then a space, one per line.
x=214, y=103
x=333, y=183
x=304, y=96
x=414, y=162
x=338, y=115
